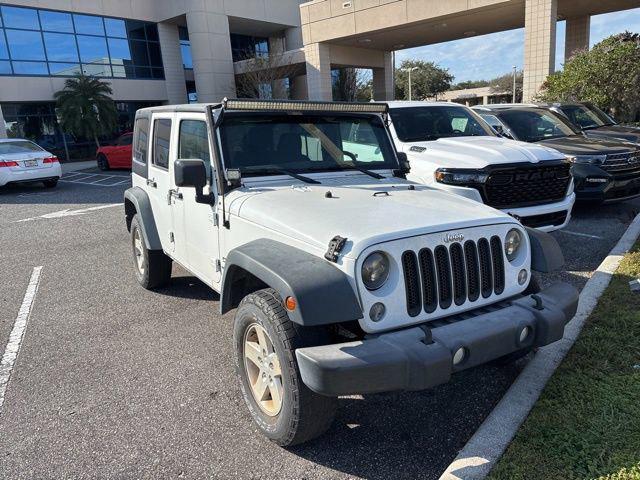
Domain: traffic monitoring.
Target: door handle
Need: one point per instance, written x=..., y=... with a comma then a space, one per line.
x=152, y=183
x=173, y=194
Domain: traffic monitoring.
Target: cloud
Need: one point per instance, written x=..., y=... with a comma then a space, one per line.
x=488, y=56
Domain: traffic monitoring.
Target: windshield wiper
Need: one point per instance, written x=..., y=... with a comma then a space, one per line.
x=375, y=175
x=272, y=169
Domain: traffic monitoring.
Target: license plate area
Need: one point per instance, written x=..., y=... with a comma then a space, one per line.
x=31, y=163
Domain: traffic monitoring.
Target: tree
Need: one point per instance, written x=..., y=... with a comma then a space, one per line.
x=470, y=84
x=504, y=84
x=428, y=80
x=85, y=108
x=351, y=85
x=608, y=76
x=265, y=76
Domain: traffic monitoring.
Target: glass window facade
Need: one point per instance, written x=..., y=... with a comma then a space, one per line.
x=185, y=48
x=38, y=122
x=245, y=46
x=51, y=43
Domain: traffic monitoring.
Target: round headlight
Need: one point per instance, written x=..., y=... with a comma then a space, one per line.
x=512, y=244
x=375, y=270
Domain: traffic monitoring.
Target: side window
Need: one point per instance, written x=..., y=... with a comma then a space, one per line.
x=161, y=142
x=142, y=140
x=125, y=140
x=193, y=142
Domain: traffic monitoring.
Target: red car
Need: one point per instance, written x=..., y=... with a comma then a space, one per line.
x=117, y=155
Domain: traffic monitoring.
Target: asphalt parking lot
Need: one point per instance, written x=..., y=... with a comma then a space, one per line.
x=115, y=381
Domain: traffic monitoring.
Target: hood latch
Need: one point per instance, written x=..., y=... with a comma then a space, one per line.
x=335, y=247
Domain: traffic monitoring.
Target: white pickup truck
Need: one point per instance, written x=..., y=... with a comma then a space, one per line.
x=450, y=147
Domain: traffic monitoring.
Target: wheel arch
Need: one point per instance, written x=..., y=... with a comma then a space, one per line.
x=136, y=202
x=322, y=292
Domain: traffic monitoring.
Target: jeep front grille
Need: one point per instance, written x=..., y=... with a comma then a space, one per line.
x=450, y=275
x=527, y=186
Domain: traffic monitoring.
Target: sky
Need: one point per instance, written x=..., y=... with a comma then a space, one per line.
x=488, y=56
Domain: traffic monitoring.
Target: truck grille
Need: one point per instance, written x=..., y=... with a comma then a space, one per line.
x=455, y=275
x=527, y=186
x=622, y=164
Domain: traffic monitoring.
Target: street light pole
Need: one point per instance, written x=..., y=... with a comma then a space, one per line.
x=514, y=83
x=409, y=70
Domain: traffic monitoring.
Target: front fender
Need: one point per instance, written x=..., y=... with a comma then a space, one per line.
x=323, y=293
x=546, y=254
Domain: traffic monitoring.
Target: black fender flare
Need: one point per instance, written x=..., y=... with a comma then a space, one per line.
x=546, y=254
x=322, y=292
x=140, y=200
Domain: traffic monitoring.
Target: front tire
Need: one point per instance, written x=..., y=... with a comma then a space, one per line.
x=152, y=267
x=265, y=340
x=103, y=163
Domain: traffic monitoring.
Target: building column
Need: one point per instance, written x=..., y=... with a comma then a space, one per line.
x=539, y=44
x=577, y=36
x=211, y=52
x=3, y=128
x=279, y=86
x=318, y=57
x=383, y=88
x=298, y=88
x=172, y=61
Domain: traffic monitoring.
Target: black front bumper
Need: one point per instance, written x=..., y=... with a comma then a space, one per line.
x=422, y=357
x=593, y=184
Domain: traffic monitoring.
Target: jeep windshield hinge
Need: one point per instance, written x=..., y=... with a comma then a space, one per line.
x=335, y=247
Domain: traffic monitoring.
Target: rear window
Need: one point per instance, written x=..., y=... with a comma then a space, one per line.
x=141, y=143
x=20, y=146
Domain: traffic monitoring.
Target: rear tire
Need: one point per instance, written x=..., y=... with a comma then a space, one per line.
x=287, y=411
x=103, y=163
x=152, y=267
x=50, y=183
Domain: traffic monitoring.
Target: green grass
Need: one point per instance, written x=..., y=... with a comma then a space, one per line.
x=586, y=424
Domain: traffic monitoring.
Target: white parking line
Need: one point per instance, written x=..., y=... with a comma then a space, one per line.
x=579, y=234
x=17, y=333
x=69, y=213
x=102, y=180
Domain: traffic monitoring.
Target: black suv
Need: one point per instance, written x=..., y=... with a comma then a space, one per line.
x=594, y=122
x=604, y=170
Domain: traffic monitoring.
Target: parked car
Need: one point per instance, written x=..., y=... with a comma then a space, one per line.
x=451, y=148
x=23, y=161
x=603, y=170
x=345, y=277
x=117, y=155
x=594, y=122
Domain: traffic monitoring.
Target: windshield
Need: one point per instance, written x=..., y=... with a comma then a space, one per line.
x=584, y=117
x=258, y=143
x=536, y=125
x=420, y=124
x=19, y=146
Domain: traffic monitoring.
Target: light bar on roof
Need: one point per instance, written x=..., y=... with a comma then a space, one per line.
x=289, y=105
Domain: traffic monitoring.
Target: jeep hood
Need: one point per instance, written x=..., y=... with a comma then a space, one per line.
x=366, y=213
x=479, y=152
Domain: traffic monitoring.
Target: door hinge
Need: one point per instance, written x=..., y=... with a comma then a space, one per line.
x=218, y=266
x=171, y=238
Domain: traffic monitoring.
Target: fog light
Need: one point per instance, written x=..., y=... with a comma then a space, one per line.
x=377, y=311
x=523, y=276
x=459, y=356
x=524, y=333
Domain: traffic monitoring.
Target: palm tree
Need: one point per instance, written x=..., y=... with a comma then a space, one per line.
x=86, y=108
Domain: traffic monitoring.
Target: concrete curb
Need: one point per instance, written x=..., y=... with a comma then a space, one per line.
x=484, y=449
x=76, y=166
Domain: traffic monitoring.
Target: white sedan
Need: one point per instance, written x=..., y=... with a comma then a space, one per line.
x=23, y=161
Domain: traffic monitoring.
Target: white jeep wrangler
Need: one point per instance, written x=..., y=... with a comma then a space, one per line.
x=346, y=278
x=450, y=147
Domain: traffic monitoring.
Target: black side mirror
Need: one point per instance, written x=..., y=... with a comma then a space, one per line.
x=192, y=173
x=498, y=129
x=405, y=166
